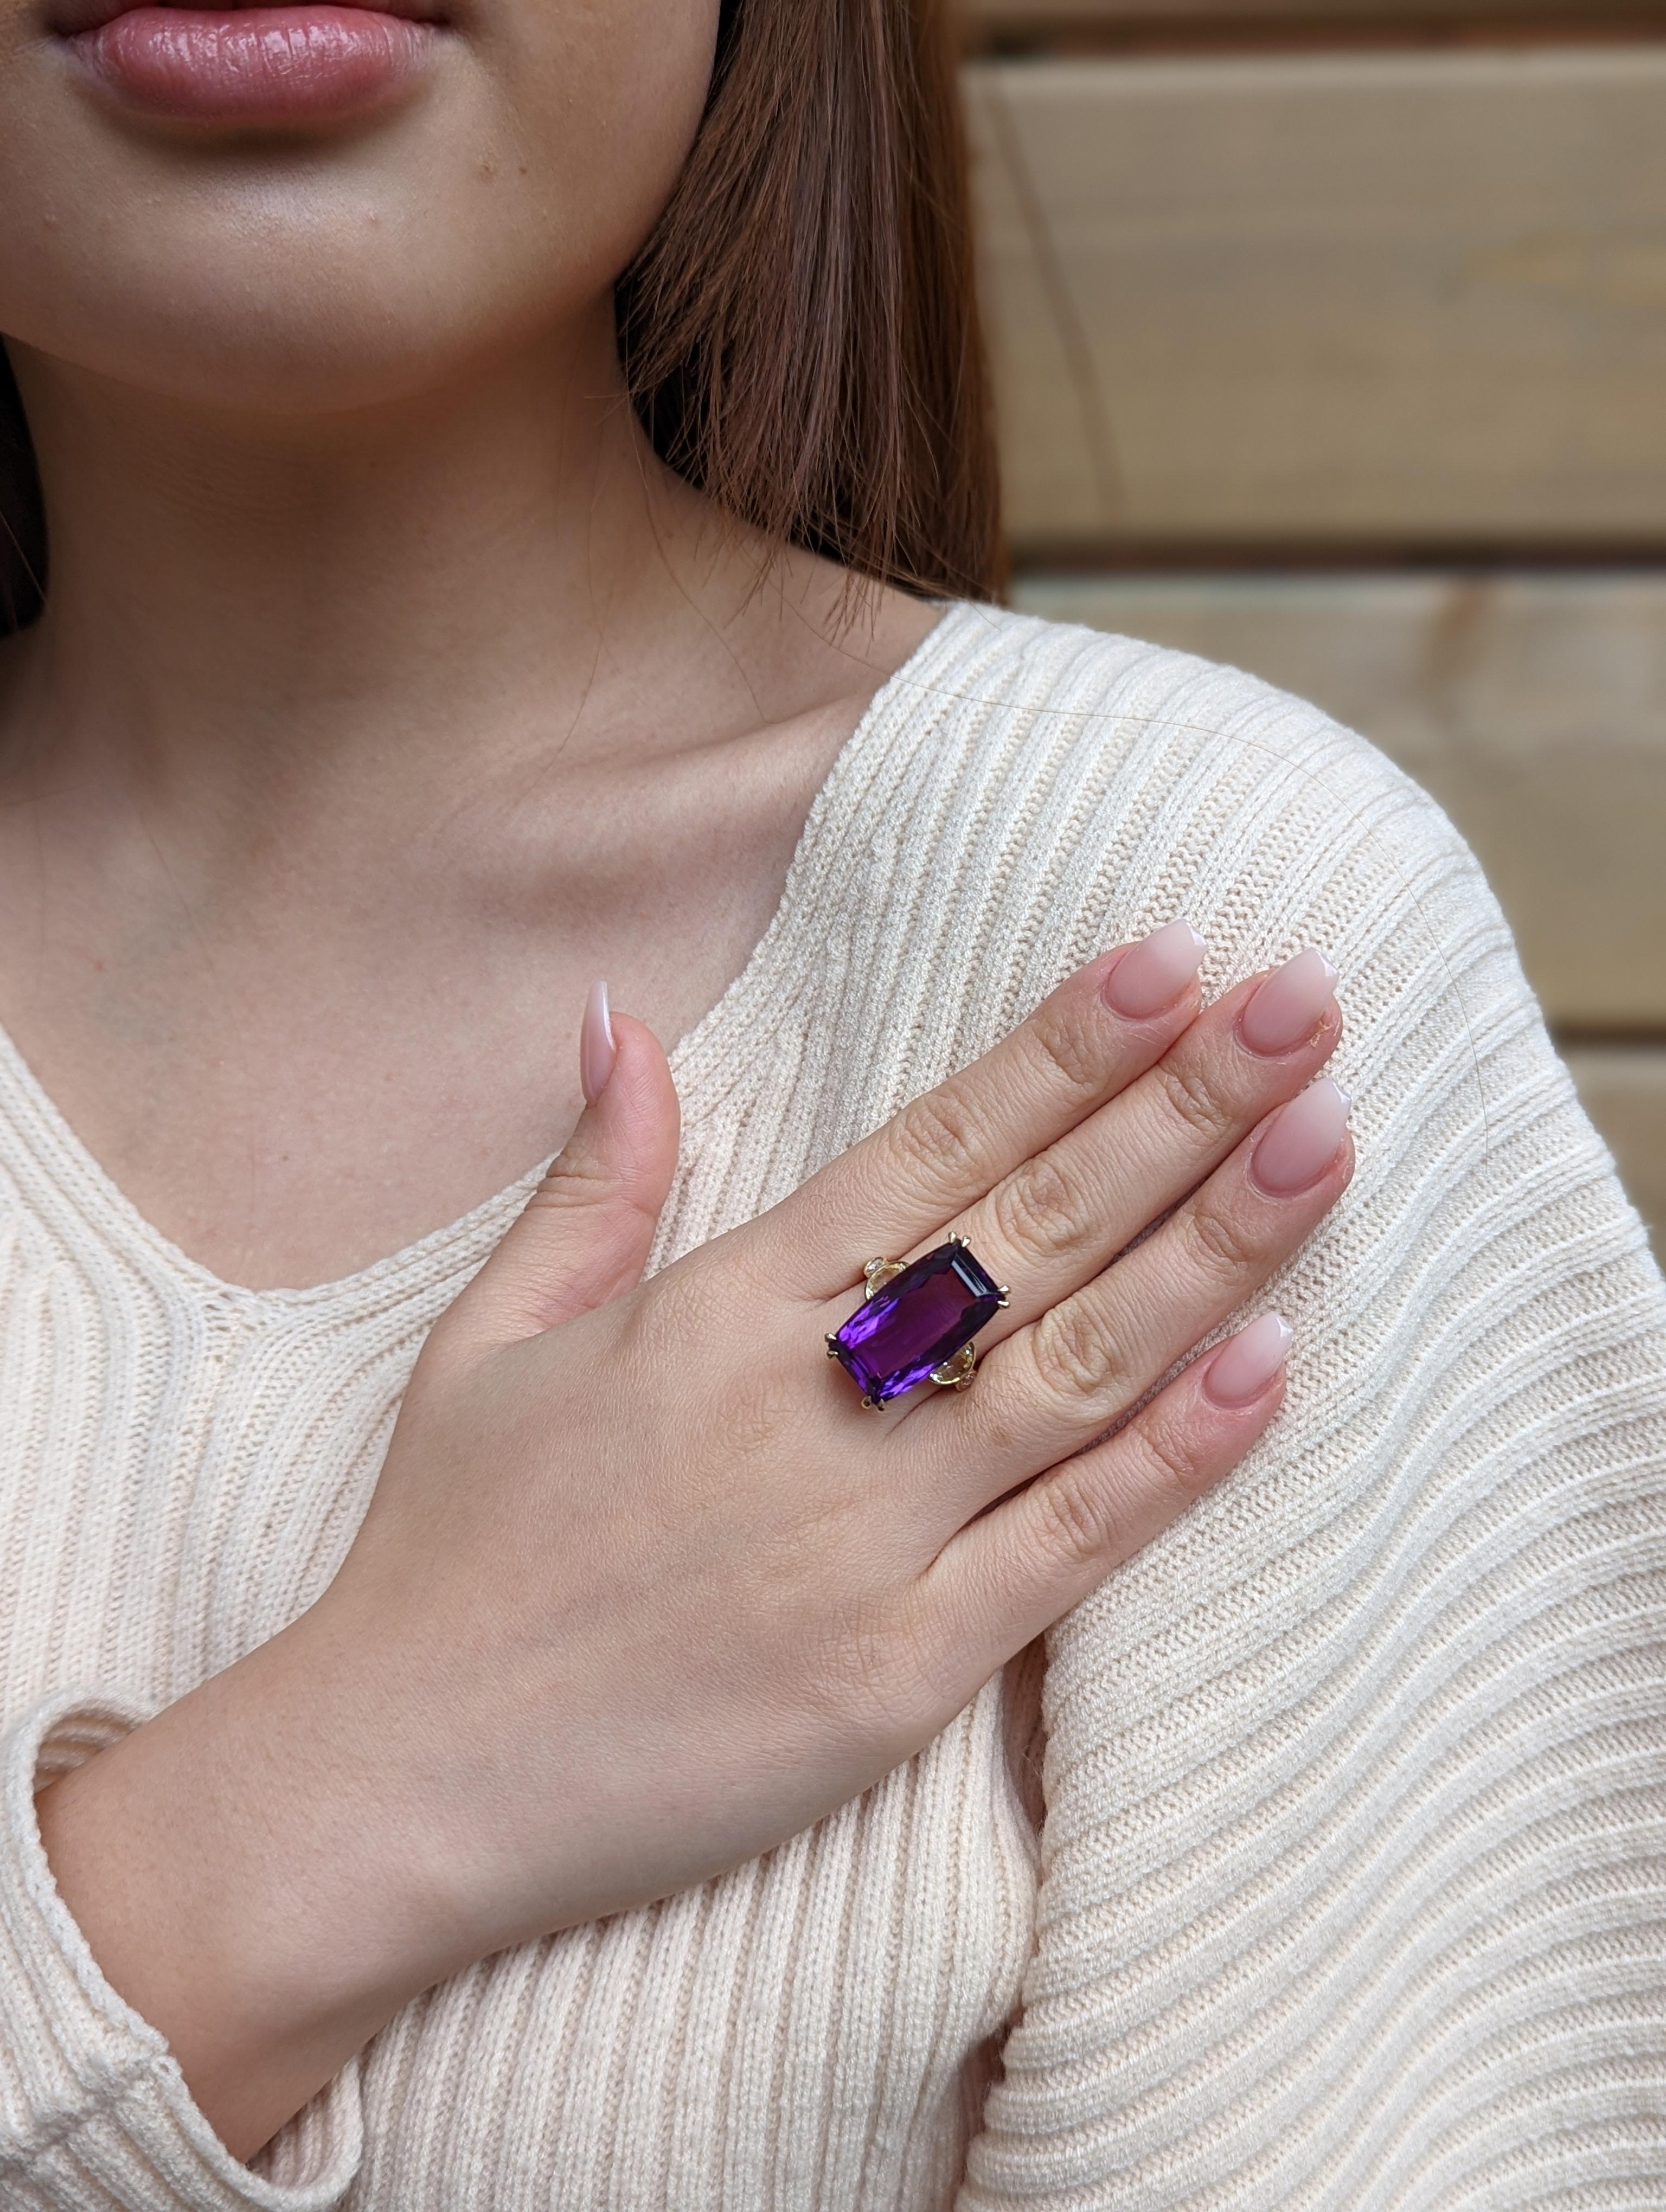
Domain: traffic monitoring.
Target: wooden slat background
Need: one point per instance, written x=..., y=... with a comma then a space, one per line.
x=1028, y=19
x=1533, y=707
x=1348, y=367
x=1385, y=301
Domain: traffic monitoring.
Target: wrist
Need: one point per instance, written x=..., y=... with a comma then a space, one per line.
x=254, y=1872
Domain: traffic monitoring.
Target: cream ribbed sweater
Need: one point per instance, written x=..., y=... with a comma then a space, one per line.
x=1351, y=1891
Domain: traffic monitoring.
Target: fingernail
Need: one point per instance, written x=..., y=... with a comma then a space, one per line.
x=1300, y=1142
x=1154, y=972
x=1243, y=1366
x=1288, y=1004
x=596, y=1045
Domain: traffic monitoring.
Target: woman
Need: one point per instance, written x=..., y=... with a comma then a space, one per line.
x=500, y=497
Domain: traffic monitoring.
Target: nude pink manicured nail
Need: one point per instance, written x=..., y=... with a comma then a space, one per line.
x=1154, y=974
x=1288, y=1005
x=1243, y=1366
x=1300, y=1142
x=597, y=1049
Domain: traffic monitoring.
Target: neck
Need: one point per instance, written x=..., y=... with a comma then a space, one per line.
x=278, y=611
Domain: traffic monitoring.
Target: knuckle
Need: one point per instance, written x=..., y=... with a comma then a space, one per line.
x=571, y=1185
x=1167, y=1469
x=938, y=1136
x=1193, y=1099
x=1062, y=1044
x=1076, y=1521
x=1220, y=1245
x=610, y=1209
x=1037, y=1212
x=1075, y=1362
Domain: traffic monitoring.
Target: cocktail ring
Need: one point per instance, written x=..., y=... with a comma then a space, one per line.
x=916, y=1322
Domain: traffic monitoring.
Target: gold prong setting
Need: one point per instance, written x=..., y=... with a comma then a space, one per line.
x=957, y=1374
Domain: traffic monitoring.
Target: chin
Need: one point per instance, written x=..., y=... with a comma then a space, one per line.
x=299, y=319
x=432, y=193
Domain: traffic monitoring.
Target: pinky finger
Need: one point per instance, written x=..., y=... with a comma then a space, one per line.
x=1015, y=1570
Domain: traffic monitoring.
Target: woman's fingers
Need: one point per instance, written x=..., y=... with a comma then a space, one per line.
x=1051, y=1389
x=1059, y=1217
x=587, y=1229
x=1012, y=1572
x=1102, y=1028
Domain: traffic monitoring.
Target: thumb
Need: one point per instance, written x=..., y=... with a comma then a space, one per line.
x=585, y=1232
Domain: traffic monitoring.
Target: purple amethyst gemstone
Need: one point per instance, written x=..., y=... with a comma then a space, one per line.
x=915, y=1322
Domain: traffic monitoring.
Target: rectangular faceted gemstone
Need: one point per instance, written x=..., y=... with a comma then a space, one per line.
x=915, y=1322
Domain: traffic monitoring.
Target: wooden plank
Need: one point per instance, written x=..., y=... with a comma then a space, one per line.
x=1393, y=299
x=1021, y=18
x=1623, y=1088
x=1532, y=706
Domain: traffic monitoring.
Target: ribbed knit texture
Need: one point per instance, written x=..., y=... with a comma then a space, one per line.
x=1351, y=1891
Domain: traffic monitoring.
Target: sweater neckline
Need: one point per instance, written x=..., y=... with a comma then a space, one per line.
x=702, y=1061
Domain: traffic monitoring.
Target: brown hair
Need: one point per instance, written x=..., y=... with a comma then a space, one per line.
x=799, y=332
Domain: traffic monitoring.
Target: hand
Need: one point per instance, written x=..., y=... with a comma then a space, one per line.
x=642, y=1590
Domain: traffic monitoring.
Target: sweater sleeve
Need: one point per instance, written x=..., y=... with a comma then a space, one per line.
x=1353, y=1873
x=94, y=2114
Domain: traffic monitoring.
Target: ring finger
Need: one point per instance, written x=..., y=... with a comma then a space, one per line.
x=1054, y=1386
x=1057, y=1218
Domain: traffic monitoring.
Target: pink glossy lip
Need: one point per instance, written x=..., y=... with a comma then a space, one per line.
x=253, y=66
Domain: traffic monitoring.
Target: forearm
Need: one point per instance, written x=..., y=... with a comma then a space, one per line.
x=254, y=1874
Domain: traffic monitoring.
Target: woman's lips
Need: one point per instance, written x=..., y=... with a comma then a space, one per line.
x=254, y=65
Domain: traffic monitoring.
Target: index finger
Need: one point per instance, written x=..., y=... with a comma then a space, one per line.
x=1104, y=1026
